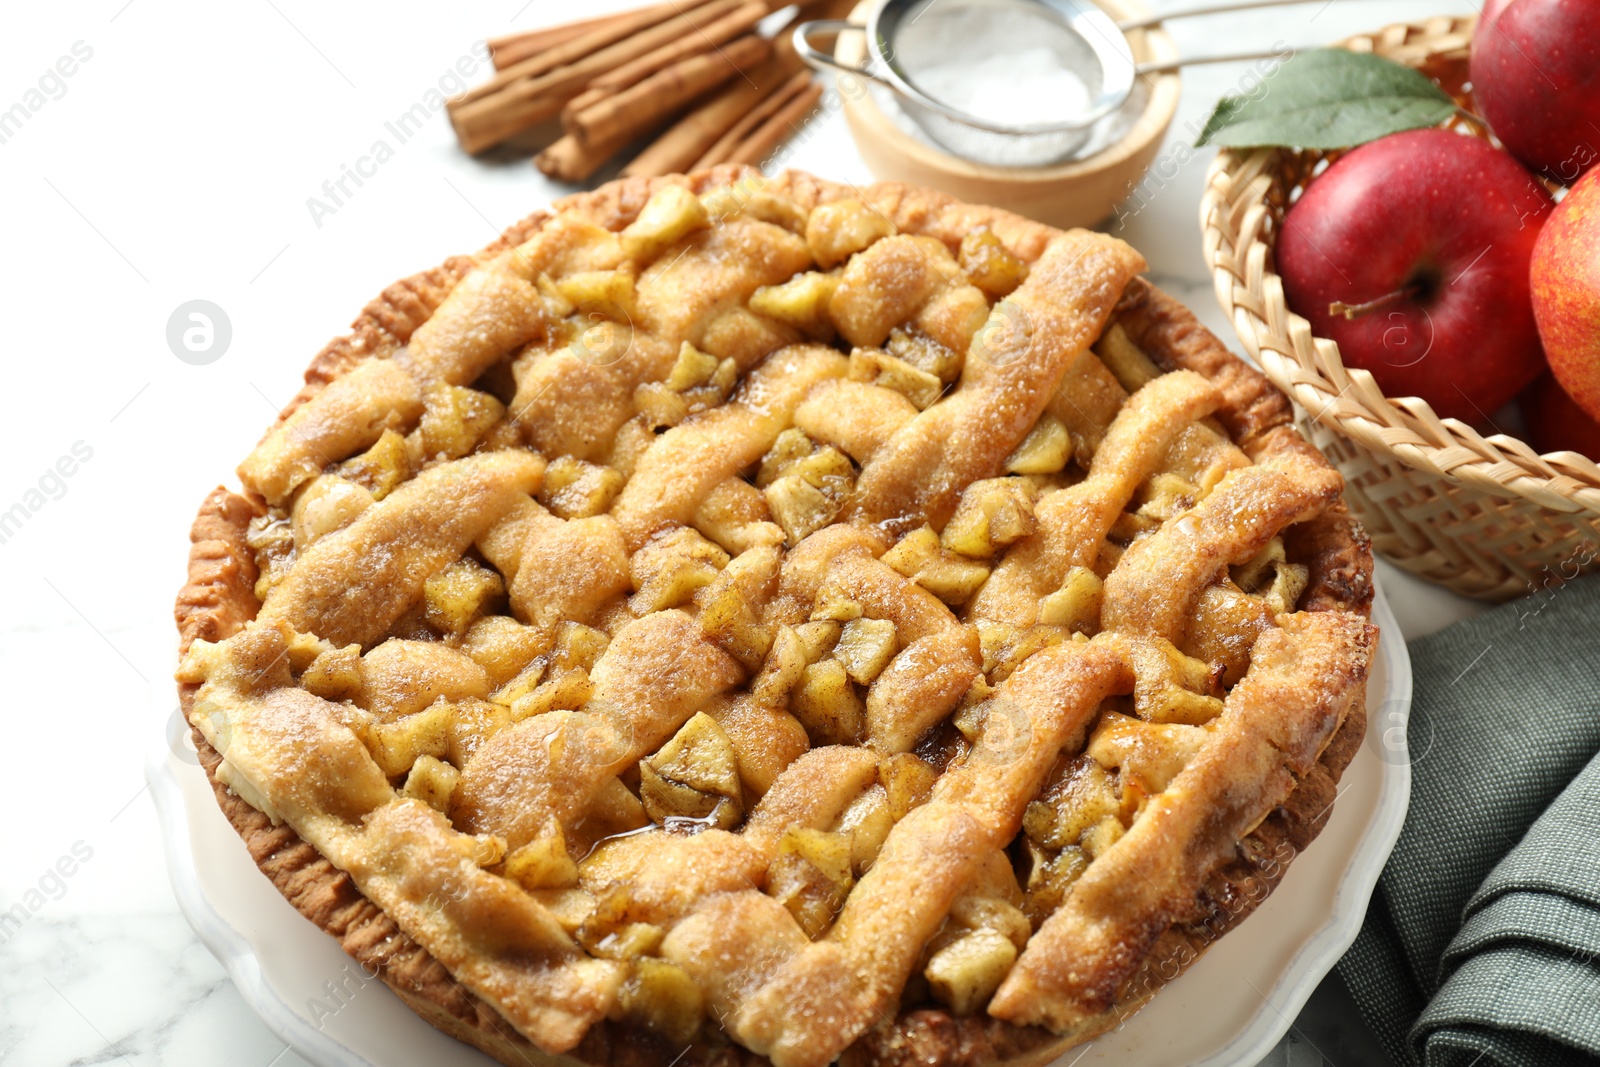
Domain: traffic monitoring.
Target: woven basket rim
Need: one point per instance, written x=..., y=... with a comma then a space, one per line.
x=1309, y=368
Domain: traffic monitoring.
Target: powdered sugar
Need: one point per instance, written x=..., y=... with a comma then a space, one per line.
x=1021, y=89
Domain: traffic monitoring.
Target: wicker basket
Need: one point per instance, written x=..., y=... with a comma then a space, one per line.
x=1486, y=516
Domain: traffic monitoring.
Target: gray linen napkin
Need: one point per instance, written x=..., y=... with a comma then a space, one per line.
x=1482, y=943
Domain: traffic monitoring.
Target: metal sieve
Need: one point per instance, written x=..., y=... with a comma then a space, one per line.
x=910, y=45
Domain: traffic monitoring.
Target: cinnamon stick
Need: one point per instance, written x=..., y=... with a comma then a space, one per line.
x=634, y=24
x=718, y=31
x=566, y=160
x=511, y=48
x=582, y=102
x=778, y=128
x=626, y=114
x=723, y=148
x=677, y=149
x=702, y=39
x=535, y=89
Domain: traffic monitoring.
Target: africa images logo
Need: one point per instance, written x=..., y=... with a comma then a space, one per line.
x=50, y=86
x=338, y=191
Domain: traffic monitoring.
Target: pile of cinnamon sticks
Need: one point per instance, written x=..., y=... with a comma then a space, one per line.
x=698, y=77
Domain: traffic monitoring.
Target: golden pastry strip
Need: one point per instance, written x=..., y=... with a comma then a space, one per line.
x=571, y=401
x=351, y=586
x=920, y=687
x=1043, y=708
x=1301, y=681
x=667, y=874
x=492, y=936
x=1013, y=366
x=1147, y=756
x=881, y=593
x=806, y=567
x=488, y=314
x=906, y=279
x=938, y=660
x=264, y=728
x=349, y=414
x=293, y=757
x=858, y=418
x=812, y=791
x=820, y=1001
x=687, y=462
x=402, y=677
x=732, y=945
x=735, y=515
x=501, y=544
x=1170, y=687
x=765, y=739
x=544, y=771
x=1073, y=522
x=1155, y=587
x=568, y=569
x=567, y=244
x=714, y=269
x=1086, y=402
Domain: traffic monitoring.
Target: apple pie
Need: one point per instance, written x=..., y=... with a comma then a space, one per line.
x=734, y=620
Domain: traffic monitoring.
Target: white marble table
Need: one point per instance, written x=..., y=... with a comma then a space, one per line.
x=175, y=162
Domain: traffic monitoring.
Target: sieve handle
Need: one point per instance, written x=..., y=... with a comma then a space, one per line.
x=1189, y=61
x=818, y=58
x=1208, y=9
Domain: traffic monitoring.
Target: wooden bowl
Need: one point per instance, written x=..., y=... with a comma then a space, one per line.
x=1081, y=192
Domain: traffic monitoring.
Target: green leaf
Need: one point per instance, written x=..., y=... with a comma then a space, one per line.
x=1328, y=98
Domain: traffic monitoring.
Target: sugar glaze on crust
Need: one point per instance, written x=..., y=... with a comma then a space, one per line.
x=219, y=600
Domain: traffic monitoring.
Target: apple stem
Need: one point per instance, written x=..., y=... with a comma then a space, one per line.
x=1353, y=311
x=1472, y=120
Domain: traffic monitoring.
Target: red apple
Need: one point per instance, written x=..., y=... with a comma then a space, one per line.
x=1491, y=11
x=1412, y=253
x=1536, y=79
x=1555, y=421
x=1566, y=291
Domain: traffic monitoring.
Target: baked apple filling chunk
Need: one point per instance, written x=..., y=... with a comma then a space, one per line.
x=767, y=619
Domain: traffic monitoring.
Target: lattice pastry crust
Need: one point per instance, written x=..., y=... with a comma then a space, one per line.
x=732, y=620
